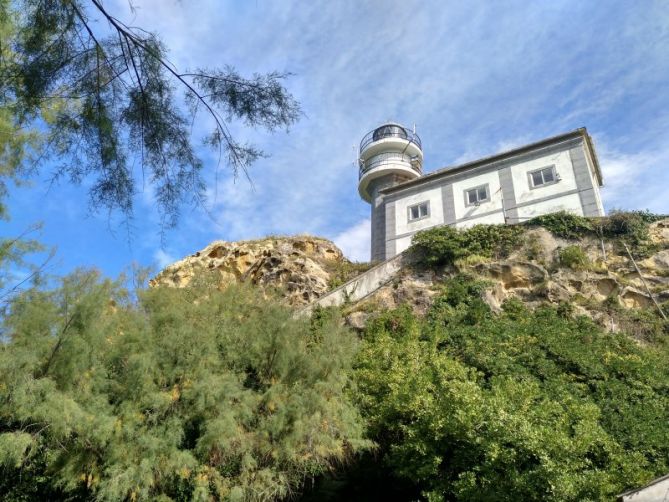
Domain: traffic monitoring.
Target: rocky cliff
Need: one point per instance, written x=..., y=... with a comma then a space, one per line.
x=302, y=267
x=603, y=285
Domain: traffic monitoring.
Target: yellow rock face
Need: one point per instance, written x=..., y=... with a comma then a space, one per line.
x=533, y=273
x=300, y=265
x=659, y=232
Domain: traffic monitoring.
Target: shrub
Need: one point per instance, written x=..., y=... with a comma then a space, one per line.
x=343, y=271
x=444, y=245
x=563, y=224
x=533, y=247
x=525, y=405
x=642, y=324
x=630, y=227
x=574, y=257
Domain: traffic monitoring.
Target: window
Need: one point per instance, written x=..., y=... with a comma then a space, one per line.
x=419, y=211
x=544, y=176
x=474, y=196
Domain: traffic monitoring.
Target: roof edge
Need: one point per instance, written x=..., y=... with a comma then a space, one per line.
x=593, y=155
x=580, y=132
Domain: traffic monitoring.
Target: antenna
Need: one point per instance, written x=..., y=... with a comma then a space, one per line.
x=414, y=128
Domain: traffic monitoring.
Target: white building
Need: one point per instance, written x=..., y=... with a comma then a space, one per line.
x=556, y=174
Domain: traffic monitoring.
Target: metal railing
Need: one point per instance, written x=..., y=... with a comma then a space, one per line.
x=387, y=158
x=389, y=131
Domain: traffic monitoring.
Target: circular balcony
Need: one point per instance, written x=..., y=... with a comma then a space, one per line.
x=389, y=159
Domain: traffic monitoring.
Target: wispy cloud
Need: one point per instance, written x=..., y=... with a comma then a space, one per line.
x=637, y=180
x=476, y=77
x=162, y=259
x=355, y=242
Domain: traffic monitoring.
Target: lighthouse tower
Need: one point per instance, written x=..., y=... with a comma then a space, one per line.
x=389, y=155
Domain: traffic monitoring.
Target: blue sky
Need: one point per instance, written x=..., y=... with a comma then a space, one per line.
x=475, y=77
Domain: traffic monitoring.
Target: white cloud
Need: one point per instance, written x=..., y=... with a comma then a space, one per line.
x=355, y=241
x=635, y=180
x=355, y=66
x=477, y=77
x=163, y=259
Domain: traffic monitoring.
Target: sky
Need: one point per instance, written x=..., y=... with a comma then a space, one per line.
x=475, y=77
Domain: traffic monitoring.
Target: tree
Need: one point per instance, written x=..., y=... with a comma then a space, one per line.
x=13, y=138
x=15, y=270
x=189, y=394
x=106, y=99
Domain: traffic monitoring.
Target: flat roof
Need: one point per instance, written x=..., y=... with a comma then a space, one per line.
x=447, y=171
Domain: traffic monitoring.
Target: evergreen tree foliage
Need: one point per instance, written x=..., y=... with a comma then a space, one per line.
x=186, y=394
x=524, y=405
x=106, y=98
x=14, y=139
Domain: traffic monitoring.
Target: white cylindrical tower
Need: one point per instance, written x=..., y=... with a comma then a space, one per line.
x=390, y=154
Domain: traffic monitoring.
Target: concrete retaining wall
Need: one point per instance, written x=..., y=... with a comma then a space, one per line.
x=361, y=286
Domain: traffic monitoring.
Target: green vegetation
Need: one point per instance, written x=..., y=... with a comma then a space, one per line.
x=629, y=226
x=109, y=105
x=632, y=226
x=343, y=271
x=518, y=406
x=200, y=394
x=563, y=224
x=187, y=394
x=574, y=257
x=444, y=245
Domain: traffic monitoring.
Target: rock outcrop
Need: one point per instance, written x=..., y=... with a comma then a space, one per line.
x=301, y=266
x=306, y=268
x=534, y=274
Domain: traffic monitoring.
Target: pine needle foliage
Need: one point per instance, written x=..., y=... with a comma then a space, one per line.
x=189, y=394
x=106, y=98
x=522, y=405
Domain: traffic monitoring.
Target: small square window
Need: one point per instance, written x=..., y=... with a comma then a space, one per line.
x=543, y=176
x=419, y=211
x=474, y=196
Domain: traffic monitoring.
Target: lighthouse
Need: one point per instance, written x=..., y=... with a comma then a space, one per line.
x=389, y=155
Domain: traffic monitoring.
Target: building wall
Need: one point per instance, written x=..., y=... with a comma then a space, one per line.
x=591, y=201
x=521, y=184
x=383, y=217
x=493, y=218
x=512, y=199
x=436, y=217
x=466, y=212
x=569, y=202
